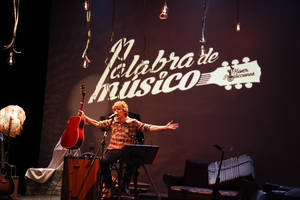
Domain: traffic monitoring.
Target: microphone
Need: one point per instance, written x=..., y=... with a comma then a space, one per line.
x=112, y=115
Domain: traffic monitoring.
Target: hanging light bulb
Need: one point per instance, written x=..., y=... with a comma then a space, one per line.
x=86, y=5
x=202, y=51
x=85, y=64
x=164, y=11
x=86, y=61
x=238, y=26
x=202, y=47
x=203, y=41
x=11, y=60
x=87, y=8
x=11, y=45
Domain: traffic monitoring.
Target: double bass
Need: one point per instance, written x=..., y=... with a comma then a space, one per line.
x=73, y=135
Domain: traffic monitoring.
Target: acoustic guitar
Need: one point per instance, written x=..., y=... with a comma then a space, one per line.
x=7, y=185
x=73, y=135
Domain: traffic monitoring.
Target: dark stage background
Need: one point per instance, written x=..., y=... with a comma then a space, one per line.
x=260, y=121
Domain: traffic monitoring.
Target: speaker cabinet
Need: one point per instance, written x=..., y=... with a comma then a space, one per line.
x=80, y=178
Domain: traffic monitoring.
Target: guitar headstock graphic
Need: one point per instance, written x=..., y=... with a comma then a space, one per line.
x=235, y=75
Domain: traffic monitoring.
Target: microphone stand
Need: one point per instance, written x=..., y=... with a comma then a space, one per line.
x=216, y=194
x=103, y=143
x=89, y=166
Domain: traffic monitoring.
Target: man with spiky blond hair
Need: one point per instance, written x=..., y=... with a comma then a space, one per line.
x=123, y=131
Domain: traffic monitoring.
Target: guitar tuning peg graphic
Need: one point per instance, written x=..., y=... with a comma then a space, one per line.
x=246, y=60
x=225, y=64
x=233, y=75
x=238, y=86
x=235, y=62
x=228, y=87
x=248, y=85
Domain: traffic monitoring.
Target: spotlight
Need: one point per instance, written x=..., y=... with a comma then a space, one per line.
x=164, y=11
x=11, y=60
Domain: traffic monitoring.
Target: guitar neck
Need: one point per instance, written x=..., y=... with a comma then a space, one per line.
x=81, y=103
x=83, y=95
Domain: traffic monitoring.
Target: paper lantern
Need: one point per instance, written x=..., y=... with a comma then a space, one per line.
x=12, y=119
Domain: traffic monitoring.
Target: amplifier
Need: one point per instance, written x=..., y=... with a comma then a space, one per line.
x=80, y=178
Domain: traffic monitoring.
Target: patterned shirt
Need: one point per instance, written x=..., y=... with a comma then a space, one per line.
x=124, y=133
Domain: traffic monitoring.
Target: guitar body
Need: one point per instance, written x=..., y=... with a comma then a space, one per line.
x=73, y=135
x=7, y=185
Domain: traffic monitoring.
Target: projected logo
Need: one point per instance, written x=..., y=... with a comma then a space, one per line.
x=235, y=75
x=166, y=73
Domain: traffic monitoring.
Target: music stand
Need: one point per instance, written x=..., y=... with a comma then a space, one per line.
x=141, y=155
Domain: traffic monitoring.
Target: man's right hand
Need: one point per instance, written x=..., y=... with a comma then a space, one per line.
x=81, y=113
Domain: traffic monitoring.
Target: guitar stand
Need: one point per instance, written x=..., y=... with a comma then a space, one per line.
x=103, y=143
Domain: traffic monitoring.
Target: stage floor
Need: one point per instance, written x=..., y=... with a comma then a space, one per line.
x=147, y=196
x=38, y=197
